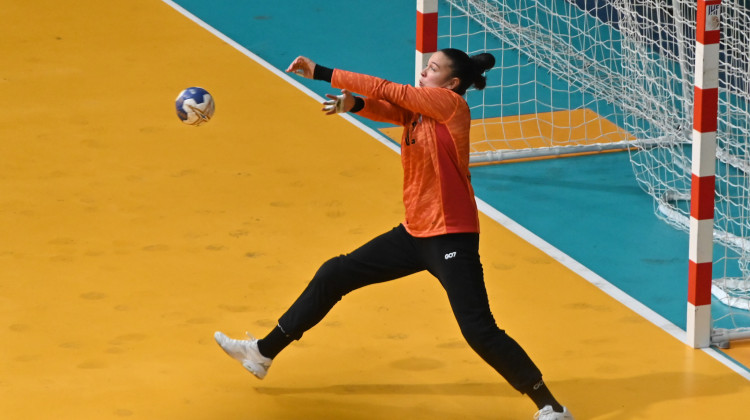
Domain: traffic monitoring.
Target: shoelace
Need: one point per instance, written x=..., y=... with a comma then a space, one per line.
x=266, y=364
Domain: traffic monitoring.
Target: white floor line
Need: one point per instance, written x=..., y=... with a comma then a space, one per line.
x=604, y=285
x=493, y=213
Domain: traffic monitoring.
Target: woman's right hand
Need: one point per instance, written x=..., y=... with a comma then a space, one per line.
x=338, y=104
x=302, y=66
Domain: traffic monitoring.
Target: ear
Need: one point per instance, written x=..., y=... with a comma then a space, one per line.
x=453, y=83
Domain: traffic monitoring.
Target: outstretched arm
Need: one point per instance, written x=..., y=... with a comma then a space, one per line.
x=371, y=108
x=438, y=103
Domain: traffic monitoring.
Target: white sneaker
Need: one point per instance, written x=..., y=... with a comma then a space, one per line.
x=245, y=352
x=546, y=413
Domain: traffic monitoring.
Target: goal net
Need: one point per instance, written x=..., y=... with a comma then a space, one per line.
x=659, y=49
x=556, y=88
x=579, y=76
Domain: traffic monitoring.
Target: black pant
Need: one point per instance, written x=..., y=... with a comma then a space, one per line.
x=453, y=259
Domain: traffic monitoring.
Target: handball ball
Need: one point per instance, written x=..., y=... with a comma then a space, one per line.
x=195, y=106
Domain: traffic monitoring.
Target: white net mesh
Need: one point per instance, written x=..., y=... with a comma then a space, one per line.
x=580, y=75
x=659, y=49
x=557, y=81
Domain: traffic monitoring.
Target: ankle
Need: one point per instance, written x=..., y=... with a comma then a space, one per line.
x=542, y=396
x=273, y=343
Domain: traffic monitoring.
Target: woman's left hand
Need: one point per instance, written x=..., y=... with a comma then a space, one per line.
x=338, y=104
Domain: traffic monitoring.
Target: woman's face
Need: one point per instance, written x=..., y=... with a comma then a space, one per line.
x=438, y=72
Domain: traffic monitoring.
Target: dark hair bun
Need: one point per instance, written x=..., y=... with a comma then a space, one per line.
x=483, y=61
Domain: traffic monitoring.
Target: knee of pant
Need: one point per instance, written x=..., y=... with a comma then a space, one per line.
x=330, y=278
x=481, y=338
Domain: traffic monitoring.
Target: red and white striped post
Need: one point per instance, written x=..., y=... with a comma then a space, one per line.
x=708, y=30
x=427, y=28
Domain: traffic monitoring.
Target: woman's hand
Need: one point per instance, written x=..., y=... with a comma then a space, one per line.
x=338, y=104
x=302, y=66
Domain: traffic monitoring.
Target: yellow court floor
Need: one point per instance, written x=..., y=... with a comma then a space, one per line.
x=128, y=238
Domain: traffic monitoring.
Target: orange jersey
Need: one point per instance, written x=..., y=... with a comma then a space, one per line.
x=438, y=196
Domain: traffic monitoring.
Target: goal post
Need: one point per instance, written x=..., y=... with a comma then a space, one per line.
x=427, y=35
x=668, y=81
x=703, y=179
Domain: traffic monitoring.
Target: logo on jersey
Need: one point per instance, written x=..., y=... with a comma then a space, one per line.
x=450, y=255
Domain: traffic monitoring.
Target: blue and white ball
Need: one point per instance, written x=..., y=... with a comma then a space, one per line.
x=195, y=106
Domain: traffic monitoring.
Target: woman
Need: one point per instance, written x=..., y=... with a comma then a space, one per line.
x=440, y=232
